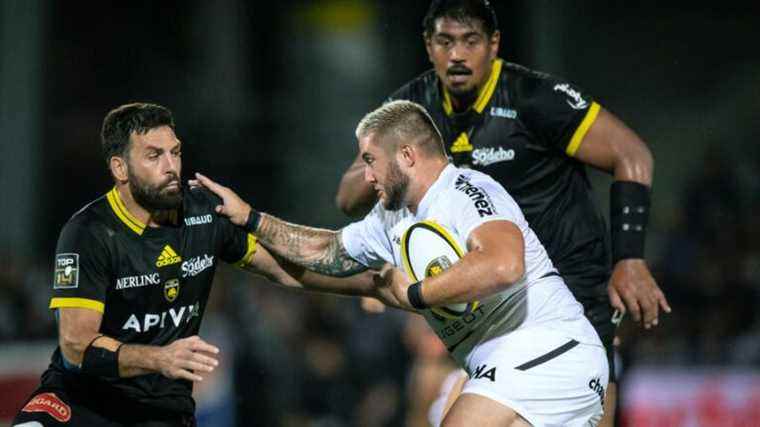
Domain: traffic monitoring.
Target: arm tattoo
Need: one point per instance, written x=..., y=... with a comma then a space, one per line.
x=315, y=249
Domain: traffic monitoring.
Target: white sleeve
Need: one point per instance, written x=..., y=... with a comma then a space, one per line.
x=366, y=241
x=482, y=200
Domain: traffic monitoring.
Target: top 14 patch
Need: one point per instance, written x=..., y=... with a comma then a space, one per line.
x=66, y=271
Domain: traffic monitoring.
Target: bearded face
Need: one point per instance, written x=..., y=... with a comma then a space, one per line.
x=163, y=195
x=395, y=187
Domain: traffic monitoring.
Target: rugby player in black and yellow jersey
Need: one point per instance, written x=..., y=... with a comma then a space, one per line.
x=133, y=272
x=535, y=134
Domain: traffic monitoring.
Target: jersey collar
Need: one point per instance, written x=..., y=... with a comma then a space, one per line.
x=486, y=92
x=117, y=205
x=435, y=189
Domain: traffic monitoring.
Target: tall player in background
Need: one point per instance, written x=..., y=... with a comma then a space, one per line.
x=535, y=134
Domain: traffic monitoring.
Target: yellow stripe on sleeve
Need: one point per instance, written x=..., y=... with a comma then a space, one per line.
x=77, y=303
x=580, y=133
x=252, y=245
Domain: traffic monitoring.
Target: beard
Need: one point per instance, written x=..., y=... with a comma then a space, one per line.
x=155, y=197
x=396, y=187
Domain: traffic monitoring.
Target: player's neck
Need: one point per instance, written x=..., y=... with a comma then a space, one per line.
x=149, y=218
x=424, y=178
x=463, y=102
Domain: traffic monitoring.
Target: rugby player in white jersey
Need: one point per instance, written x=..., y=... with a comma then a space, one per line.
x=531, y=355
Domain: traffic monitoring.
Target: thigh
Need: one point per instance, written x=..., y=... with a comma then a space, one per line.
x=54, y=407
x=476, y=410
x=542, y=375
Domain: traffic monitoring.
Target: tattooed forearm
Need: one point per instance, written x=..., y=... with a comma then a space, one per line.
x=316, y=249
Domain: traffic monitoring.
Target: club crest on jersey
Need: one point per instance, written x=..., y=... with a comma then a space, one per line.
x=66, y=271
x=171, y=289
x=437, y=266
x=168, y=257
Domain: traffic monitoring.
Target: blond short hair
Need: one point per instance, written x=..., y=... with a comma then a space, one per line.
x=405, y=121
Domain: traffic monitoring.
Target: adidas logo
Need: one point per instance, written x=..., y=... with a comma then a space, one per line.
x=462, y=144
x=167, y=257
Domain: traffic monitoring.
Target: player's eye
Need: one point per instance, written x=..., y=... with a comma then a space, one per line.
x=473, y=40
x=443, y=41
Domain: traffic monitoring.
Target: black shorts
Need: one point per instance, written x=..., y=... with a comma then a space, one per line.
x=598, y=311
x=56, y=406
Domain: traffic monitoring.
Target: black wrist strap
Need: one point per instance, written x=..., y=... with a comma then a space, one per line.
x=414, y=294
x=629, y=217
x=254, y=218
x=100, y=362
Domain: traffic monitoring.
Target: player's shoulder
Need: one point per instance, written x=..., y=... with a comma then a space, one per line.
x=465, y=179
x=526, y=83
x=531, y=89
x=93, y=219
x=423, y=89
x=387, y=218
x=200, y=200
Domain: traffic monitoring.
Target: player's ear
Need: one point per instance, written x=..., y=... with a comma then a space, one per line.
x=494, y=44
x=118, y=166
x=428, y=46
x=407, y=155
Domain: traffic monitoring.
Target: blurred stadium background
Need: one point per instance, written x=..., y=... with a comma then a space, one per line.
x=266, y=96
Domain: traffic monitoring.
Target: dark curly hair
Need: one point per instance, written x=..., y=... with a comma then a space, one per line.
x=462, y=11
x=138, y=117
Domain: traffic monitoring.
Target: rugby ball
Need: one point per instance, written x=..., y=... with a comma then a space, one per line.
x=427, y=249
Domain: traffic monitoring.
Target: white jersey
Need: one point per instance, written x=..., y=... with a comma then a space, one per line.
x=461, y=200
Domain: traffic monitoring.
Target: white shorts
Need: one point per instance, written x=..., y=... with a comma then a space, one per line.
x=543, y=375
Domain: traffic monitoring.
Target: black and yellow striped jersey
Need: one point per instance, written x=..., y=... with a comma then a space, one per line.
x=523, y=130
x=150, y=283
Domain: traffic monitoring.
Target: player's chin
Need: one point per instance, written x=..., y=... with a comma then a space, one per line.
x=171, y=198
x=460, y=86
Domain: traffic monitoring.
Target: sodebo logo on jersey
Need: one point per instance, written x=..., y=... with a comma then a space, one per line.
x=175, y=317
x=195, y=265
x=490, y=155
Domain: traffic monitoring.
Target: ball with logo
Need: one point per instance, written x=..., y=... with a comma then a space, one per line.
x=427, y=250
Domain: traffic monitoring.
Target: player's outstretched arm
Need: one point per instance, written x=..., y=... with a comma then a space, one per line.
x=495, y=260
x=287, y=274
x=98, y=355
x=355, y=195
x=613, y=147
x=316, y=249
